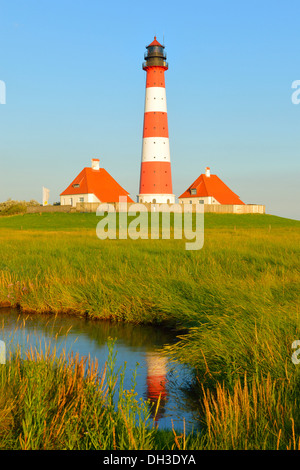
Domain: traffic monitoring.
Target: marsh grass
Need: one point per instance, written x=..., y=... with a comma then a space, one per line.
x=238, y=297
x=51, y=401
x=148, y=281
x=260, y=415
x=60, y=401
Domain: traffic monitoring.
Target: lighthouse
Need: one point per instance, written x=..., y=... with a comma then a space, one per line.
x=155, y=177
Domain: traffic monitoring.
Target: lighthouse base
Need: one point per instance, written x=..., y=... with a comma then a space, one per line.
x=157, y=198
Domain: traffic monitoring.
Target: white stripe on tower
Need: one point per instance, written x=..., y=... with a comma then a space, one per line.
x=156, y=149
x=156, y=100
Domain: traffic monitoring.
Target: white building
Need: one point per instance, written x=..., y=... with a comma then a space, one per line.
x=93, y=184
x=209, y=189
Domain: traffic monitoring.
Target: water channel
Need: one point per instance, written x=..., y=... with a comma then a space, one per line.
x=137, y=345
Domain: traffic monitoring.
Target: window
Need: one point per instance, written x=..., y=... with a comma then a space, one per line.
x=81, y=199
x=201, y=201
x=194, y=191
x=76, y=185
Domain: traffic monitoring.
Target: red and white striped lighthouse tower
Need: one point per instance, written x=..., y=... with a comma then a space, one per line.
x=156, y=178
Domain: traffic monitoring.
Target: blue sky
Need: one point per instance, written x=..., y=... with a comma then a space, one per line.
x=75, y=91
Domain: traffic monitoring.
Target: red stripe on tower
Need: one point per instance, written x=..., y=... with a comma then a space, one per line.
x=155, y=178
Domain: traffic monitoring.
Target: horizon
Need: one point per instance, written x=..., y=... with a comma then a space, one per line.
x=73, y=89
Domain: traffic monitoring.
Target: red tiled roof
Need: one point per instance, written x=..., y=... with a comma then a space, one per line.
x=212, y=186
x=98, y=182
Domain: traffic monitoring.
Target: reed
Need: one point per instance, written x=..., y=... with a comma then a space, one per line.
x=256, y=415
x=238, y=299
x=146, y=281
x=51, y=401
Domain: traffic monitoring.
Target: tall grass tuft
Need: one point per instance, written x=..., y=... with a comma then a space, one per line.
x=64, y=402
x=256, y=415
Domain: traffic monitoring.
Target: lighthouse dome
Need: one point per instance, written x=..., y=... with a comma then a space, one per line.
x=155, y=43
x=155, y=55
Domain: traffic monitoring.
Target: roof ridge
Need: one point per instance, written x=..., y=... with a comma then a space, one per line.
x=203, y=181
x=86, y=177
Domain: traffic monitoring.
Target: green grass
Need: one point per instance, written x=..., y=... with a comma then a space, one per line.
x=238, y=297
x=145, y=281
x=53, y=402
x=85, y=221
x=50, y=402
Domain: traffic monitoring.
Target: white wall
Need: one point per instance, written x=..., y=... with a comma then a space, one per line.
x=158, y=198
x=72, y=199
x=195, y=200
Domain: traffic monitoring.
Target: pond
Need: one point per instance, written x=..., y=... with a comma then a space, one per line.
x=136, y=345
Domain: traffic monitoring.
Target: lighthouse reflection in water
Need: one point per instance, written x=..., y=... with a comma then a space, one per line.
x=156, y=384
x=139, y=346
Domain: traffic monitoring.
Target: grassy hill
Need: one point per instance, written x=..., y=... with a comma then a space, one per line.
x=80, y=221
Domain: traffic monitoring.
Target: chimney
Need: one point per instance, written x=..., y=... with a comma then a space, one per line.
x=95, y=164
x=207, y=171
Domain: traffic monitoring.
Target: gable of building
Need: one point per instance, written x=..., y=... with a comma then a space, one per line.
x=211, y=186
x=98, y=182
